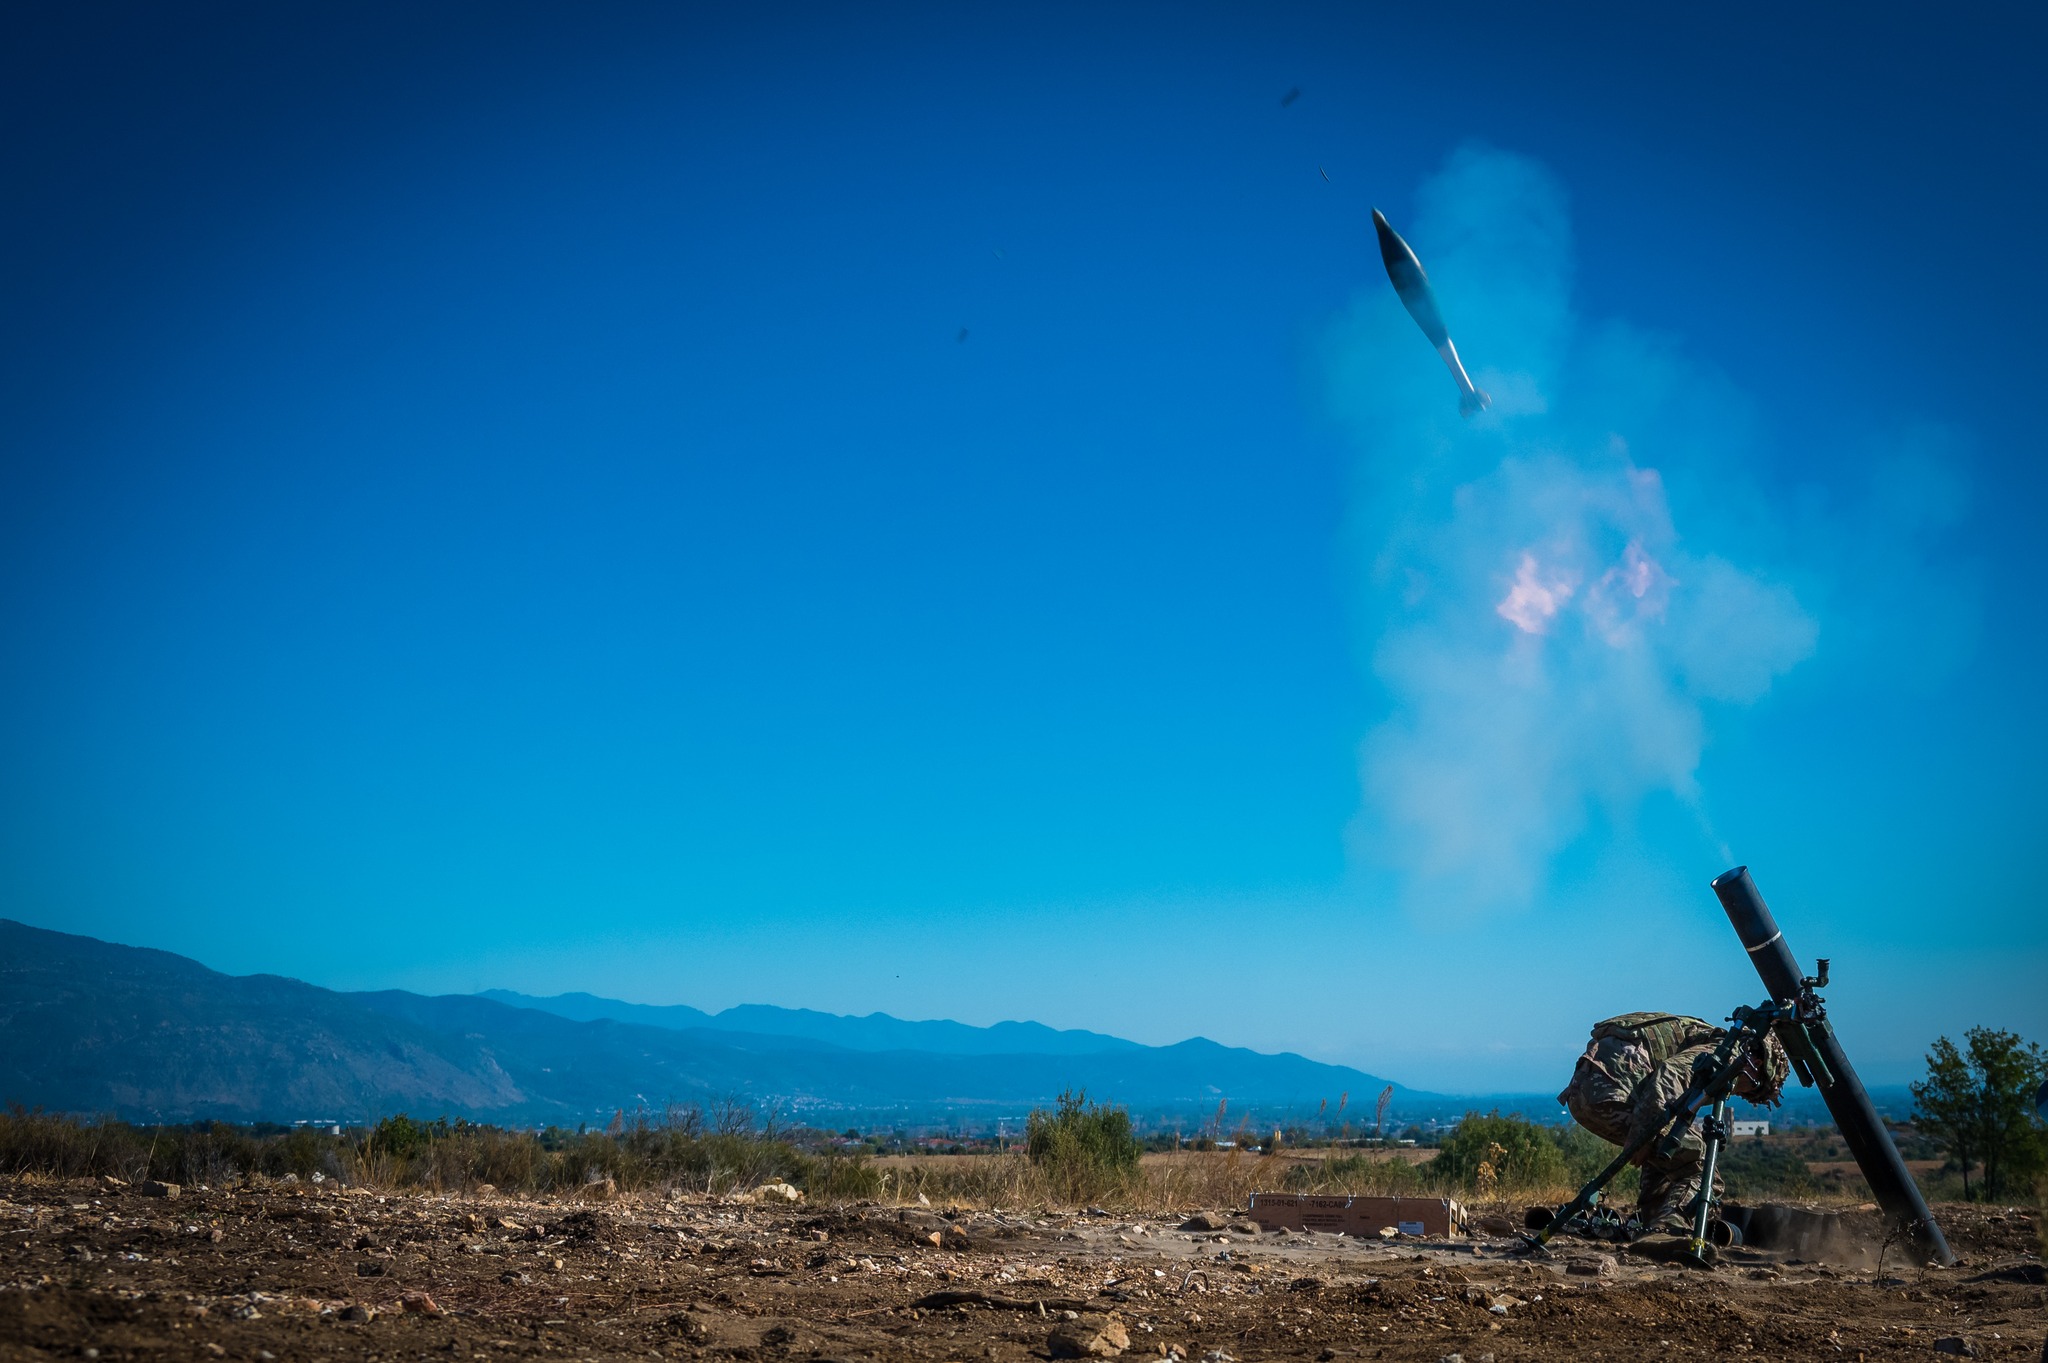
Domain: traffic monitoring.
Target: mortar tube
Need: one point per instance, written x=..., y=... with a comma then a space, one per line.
x=1855, y=1117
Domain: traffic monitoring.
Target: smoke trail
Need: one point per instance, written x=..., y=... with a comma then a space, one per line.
x=1550, y=644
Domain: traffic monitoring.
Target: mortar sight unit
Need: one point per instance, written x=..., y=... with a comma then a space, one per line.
x=1801, y=1023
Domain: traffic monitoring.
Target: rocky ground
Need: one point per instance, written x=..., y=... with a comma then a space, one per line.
x=288, y=1272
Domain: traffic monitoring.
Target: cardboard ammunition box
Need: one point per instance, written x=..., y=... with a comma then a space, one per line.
x=1358, y=1216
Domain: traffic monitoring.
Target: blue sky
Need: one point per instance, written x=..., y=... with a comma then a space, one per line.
x=938, y=511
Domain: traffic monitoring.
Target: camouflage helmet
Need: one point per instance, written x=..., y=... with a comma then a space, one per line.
x=1766, y=1067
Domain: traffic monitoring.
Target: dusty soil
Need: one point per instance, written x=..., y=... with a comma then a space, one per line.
x=277, y=1272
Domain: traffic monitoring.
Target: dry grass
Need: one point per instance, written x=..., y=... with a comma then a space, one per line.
x=1191, y=1180
x=1180, y=1181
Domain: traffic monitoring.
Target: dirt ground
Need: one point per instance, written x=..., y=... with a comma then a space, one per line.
x=287, y=1272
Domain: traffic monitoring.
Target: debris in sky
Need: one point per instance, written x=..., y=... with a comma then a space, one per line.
x=962, y=336
x=1413, y=286
x=1290, y=97
x=1324, y=173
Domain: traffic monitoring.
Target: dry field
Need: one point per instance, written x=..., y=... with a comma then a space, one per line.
x=277, y=1273
x=1164, y=1182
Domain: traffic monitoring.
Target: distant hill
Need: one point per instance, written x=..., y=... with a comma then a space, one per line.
x=875, y=1032
x=91, y=1027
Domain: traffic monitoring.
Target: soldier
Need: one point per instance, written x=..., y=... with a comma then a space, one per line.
x=1632, y=1069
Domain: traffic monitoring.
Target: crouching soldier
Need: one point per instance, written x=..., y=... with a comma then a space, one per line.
x=1633, y=1068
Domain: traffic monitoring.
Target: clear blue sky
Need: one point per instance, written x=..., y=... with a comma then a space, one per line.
x=936, y=510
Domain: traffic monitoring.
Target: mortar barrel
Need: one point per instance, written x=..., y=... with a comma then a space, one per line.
x=1759, y=933
x=1863, y=1131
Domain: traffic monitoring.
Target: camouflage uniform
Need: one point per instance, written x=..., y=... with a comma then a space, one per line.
x=1632, y=1069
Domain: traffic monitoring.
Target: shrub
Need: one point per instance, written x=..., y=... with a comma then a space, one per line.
x=1492, y=1153
x=1085, y=1150
x=840, y=1178
x=400, y=1138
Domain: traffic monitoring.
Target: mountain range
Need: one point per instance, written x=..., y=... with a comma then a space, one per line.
x=93, y=1027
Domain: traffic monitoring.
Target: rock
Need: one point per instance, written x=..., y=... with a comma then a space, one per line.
x=1591, y=1266
x=79, y=1254
x=1089, y=1337
x=777, y=1192
x=486, y=1190
x=420, y=1304
x=370, y=1268
x=1389, y=1233
x=1496, y=1225
x=1244, y=1228
x=1954, y=1344
x=150, y=1187
x=1205, y=1221
x=357, y=1314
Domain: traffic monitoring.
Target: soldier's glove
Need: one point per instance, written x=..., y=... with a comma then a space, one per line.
x=1764, y=1067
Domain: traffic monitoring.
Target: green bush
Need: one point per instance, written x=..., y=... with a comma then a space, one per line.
x=1518, y=1153
x=400, y=1138
x=1085, y=1150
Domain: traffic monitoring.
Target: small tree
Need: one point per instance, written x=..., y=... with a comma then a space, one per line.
x=1976, y=1102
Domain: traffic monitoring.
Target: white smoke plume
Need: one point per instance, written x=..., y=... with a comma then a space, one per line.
x=1551, y=643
